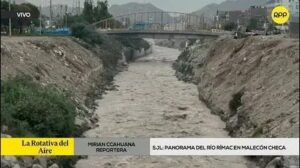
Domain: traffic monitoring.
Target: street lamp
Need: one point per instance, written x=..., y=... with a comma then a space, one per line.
x=67, y=14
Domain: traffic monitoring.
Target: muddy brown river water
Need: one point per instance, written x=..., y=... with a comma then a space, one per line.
x=151, y=102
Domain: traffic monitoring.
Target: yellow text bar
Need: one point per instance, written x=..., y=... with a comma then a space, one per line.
x=37, y=146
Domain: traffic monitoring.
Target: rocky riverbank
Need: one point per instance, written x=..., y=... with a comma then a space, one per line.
x=171, y=43
x=74, y=68
x=251, y=83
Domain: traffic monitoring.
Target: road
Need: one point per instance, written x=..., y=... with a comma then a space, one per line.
x=151, y=102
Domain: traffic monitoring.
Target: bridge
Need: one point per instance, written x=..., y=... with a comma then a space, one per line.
x=158, y=25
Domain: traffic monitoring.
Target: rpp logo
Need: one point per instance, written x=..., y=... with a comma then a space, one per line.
x=280, y=14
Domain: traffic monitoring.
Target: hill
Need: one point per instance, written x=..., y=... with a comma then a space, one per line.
x=130, y=8
x=133, y=7
x=228, y=5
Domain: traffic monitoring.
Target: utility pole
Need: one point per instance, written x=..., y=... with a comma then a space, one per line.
x=9, y=8
x=40, y=19
x=66, y=20
x=66, y=15
x=73, y=6
x=78, y=7
x=61, y=16
x=51, y=14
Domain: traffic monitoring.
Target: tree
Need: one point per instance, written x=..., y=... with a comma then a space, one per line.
x=101, y=11
x=4, y=5
x=88, y=13
x=81, y=28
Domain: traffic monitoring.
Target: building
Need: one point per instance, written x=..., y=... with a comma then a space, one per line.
x=241, y=17
x=220, y=19
x=235, y=16
x=294, y=21
x=257, y=12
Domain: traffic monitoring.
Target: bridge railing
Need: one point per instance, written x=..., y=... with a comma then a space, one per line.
x=154, y=21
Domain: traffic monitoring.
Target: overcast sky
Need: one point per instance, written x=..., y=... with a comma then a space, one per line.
x=168, y=5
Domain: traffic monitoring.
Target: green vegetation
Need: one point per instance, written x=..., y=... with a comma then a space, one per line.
x=81, y=28
x=93, y=13
x=258, y=132
x=89, y=15
x=66, y=161
x=29, y=109
x=86, y=33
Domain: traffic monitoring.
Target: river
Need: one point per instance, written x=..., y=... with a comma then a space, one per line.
x=151, y=102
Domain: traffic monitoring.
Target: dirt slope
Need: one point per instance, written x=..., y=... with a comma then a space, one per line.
x=50, y=60
x=251, y=83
